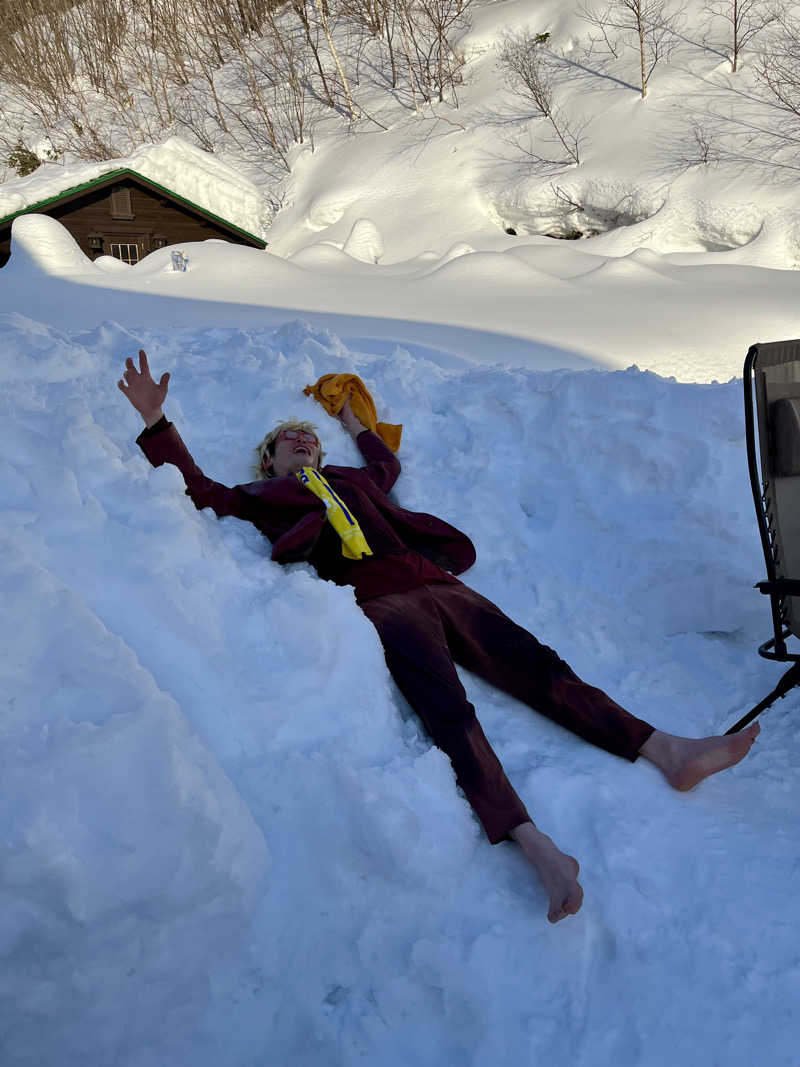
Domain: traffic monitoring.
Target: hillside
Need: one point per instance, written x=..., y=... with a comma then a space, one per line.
x=395, y=216
x=587, y=155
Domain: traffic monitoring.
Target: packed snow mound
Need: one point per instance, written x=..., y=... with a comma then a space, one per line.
x=364, y=242
x=182, y=708
x=73, y=745
x=112, y=265
x=534, y=302
x=42, y=244
x=460, y=248
x=327, y=209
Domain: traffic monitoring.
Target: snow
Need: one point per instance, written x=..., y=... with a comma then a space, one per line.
x=182, y=707
x=226, y=840
x=179, y=166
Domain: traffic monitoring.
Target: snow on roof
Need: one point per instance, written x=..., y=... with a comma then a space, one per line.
x=179, y=166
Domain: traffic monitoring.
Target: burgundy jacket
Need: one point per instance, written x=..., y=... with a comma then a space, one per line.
x=408, y=547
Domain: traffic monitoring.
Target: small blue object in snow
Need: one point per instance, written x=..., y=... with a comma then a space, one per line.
x=179, y=261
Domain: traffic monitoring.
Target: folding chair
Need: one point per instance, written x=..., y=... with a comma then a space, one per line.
x=772, y=377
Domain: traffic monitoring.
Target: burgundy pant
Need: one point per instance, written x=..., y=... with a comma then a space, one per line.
x=426, y=630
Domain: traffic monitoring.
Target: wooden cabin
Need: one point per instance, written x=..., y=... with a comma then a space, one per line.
x=126, y=215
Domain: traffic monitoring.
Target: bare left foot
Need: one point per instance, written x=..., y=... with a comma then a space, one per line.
x=557, y=871
x=685, y=761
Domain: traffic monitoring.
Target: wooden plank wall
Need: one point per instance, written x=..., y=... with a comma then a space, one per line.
x=153, y=216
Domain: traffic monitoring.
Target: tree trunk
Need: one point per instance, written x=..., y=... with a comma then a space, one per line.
x=335, y=54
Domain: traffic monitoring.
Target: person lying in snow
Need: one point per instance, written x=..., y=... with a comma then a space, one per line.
x=402, y=566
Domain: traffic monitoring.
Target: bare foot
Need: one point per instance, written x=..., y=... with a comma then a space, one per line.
x=685, y=761
x=558, y=871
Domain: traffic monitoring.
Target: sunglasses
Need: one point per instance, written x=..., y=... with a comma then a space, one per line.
x=298, y=435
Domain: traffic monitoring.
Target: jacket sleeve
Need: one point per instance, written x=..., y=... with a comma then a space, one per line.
x=382, y=466
x=163, y=444
x=280, y=508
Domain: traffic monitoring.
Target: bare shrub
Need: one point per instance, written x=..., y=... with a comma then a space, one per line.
x=778, y=70
x=426, y=29
x=529, y=69
x=99, y=77
x=699, y=146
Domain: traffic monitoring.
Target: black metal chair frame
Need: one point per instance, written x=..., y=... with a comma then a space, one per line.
x=774, y=587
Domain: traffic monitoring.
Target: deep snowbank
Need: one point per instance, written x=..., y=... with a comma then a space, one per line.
x=181, y=708
x=536, y=303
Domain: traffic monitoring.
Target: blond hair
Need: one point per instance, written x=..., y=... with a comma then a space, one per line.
x=266, y=449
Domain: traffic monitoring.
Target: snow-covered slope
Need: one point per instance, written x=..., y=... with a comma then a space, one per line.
x=697, y=166
x=690, y=192
x=541, y=303
x=227, y=842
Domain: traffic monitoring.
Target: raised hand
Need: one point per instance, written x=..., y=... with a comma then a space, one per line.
x=350, y=422
x=146, y=395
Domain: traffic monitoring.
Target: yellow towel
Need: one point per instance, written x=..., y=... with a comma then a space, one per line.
x=333, y=390
x=354, y=544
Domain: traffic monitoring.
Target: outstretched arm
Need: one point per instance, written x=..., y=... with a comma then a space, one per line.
x=165, y=444
x=146, y=395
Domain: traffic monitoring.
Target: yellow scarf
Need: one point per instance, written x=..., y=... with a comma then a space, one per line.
x=354, y=544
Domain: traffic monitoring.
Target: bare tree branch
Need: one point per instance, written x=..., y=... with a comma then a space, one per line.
x=778, y=70
x=745, y=18
x=528, y=66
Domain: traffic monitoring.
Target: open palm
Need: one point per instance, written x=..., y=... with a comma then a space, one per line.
x=144, y=393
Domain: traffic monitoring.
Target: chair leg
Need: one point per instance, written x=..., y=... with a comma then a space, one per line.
x=785, y=685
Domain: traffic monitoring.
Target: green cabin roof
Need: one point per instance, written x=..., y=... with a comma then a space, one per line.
x=126, y=172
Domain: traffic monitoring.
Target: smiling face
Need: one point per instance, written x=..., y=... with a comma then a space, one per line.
x=294, y=449
x=288, y=447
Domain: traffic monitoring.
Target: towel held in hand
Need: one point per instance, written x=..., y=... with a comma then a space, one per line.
x=334, y=390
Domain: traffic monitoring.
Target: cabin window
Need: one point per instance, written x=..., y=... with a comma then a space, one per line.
x=121, y=206
x=128, y=253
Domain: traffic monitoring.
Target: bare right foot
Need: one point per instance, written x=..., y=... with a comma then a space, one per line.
x=557, y=871
x=686, y=761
